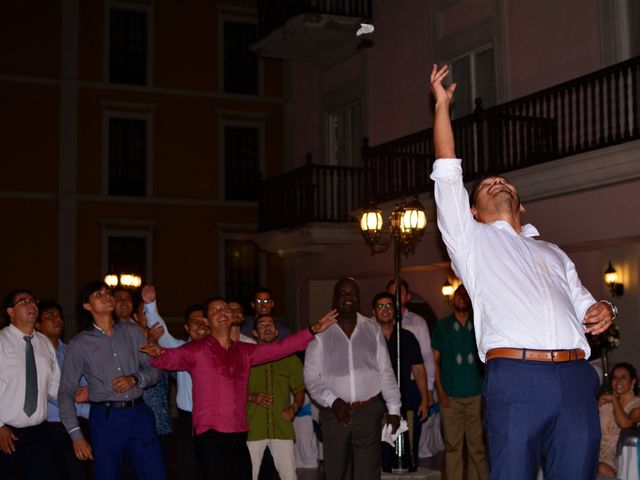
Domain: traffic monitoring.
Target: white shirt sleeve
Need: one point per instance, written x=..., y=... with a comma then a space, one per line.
x=453, y=211
x=388, y=382
x=153, y=317
x=580, y=296
x=313, y=375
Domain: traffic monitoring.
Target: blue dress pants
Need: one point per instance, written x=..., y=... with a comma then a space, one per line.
x=539, y=408
x=116, y=431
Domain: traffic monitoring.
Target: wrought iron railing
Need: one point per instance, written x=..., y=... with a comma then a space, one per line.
x=275, y=13
x=311, y=193
x=594, y=111
x=588, y=113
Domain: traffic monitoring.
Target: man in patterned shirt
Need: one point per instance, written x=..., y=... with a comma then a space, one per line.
x=459, y=385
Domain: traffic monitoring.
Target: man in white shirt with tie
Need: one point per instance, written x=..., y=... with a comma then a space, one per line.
x=345, y=370
x=531, y=317
x=28, y=377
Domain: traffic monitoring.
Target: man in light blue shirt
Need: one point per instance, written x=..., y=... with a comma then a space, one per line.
x=196, y=327
x=50, y=323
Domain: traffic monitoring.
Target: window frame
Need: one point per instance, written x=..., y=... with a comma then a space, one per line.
x=237, y=15
x=129, y=229
x=145, y=6
x=133, y=112
x=242, y=120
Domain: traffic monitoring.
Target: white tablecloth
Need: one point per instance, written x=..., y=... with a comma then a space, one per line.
x=628, y=461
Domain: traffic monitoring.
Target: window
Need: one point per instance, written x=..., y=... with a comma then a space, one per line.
x=475, y=74
x=127, y=154
x=242, y=271
x=127, y=254
x=240, y=63
x=345, y=136
x=241, y=163
x=128, y=46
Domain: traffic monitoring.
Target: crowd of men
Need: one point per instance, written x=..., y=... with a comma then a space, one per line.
x=100, y=403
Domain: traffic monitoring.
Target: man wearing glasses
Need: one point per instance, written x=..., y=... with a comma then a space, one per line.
x=28, y=377
x=263, y=304
x=108, y=356
x=411, y=362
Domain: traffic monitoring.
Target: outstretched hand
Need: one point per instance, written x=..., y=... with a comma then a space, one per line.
x=325, y=322
x=148, y=294
x=440, y=93
x=152, y=350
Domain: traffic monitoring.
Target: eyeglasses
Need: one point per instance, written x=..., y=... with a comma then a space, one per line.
x=235, y=309
x=384, y=306
x=51, y=314
x=25, y=301
x=100, y=294
x=262, y=300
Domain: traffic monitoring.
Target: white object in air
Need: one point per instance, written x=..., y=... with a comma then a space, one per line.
x=364, y=29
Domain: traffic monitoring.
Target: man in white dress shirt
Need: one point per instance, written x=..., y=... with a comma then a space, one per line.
x=345, y=370
x=531, y=317
x=29, y=375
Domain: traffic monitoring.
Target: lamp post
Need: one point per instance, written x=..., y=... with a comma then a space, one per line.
x=407, y=223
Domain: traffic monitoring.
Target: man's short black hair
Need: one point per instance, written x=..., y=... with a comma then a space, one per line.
x=403, y=283
x=255, y=322
x=198, y=307
x=205, y=306
x=262, y=290
x=10, y=299
x=83, y=297
x=380, y=296
x=47, y=305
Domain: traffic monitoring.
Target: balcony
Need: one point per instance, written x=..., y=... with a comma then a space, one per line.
x=308, y=29
x=572, y=120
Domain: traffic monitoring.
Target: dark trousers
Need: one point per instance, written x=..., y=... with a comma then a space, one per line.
x=223, y=456
x=33, y=455
x=119, y=431
x=186, y=461
x=352, y=452
x=66, y=464
x=414, y=403
x=535, y=407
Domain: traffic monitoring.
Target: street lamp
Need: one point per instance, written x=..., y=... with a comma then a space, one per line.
x=407, y=223
x=129, y=280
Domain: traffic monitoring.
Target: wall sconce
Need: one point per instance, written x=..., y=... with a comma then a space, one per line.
x=611, y=279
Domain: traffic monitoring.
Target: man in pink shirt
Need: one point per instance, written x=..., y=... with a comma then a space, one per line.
x=219, y=368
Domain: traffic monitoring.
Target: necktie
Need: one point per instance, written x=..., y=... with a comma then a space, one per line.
x=31, y=389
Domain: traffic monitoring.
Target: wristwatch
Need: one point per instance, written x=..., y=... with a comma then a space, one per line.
x=614, y=309
x=136, y=380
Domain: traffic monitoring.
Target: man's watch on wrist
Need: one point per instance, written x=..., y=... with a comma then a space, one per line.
x=136, y=380
x=613, y=308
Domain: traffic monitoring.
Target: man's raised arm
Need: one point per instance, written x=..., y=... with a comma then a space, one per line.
x=442, y=131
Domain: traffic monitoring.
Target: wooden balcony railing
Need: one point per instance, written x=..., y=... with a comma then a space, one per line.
x=275, y=13
x=588, y=113
x=594, y=111
x=311, y=193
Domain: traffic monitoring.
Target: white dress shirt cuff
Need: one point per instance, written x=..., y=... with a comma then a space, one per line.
x=446, y=169
x=393, y=409
x=329, y=398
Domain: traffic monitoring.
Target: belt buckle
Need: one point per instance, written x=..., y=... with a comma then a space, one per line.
x=553, y=355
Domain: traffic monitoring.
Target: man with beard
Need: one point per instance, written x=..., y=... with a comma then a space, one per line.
x=411, y=362
x=219, y=368
x=345, y=371
x=459, y=384
x=269, y=410
x=531, y=314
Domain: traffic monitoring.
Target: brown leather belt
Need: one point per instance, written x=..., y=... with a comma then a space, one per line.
x=554, y=356
x=355, y=405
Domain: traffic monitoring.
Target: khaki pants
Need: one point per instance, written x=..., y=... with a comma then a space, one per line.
x=461, y=419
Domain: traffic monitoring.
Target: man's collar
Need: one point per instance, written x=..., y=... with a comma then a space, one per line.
x=527, y=230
